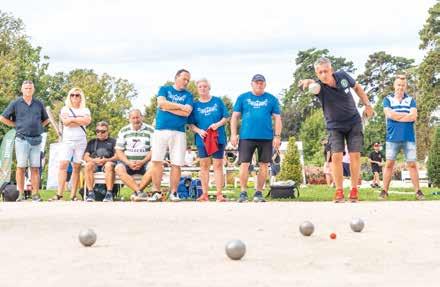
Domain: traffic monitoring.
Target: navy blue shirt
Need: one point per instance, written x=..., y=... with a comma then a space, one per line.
x=27, y=118
x=338, y=104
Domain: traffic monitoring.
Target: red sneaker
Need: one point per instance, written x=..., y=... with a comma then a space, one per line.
x=354, y=195
x=203, y=197
x=220, y=198
x=339, y=196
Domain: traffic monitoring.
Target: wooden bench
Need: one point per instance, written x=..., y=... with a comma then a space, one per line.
x=423, y=175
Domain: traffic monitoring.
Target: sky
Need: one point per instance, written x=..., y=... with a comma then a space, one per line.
x=226, y=41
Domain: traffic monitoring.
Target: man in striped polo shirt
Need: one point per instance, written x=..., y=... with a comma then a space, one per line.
x=133, y=149
x=401, y=113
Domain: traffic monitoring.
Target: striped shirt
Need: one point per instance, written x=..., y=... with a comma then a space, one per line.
x=399, y=131
x=135, y=144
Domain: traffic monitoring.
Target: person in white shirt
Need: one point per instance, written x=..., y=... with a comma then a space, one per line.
x=74, y=117
x=190, y=157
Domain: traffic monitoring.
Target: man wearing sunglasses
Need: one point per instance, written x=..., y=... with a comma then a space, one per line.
x=100, y=157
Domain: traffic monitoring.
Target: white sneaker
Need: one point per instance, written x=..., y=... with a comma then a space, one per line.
x=155, y=197
x=174, y=197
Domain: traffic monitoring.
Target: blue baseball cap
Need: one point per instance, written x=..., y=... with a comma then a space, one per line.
x=258, y=77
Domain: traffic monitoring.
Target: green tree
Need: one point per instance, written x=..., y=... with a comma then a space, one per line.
x=19, y=61
x=311, y=133
x=296, y=104
x=428, y=80
x=291, y=166
x=108, y=98
x=434, y=159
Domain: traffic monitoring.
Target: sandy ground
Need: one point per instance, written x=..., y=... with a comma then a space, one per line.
x=182, y=244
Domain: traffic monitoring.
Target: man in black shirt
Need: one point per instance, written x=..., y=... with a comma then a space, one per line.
x=100, y=157
x=333, y=90
x=375, y=159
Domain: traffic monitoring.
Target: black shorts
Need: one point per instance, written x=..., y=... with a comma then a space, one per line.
x=353, y=136
x=376, y=168
x=246, y=149
x=130, y=171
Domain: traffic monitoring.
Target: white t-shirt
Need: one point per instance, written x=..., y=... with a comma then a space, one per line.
x=74, y=133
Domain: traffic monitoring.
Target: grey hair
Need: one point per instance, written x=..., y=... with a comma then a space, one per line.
x=135, y=110
x=204, y=80
x=322, y=61
x=27, y=82
x=102, y=124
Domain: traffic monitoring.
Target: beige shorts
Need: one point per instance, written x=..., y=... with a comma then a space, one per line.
x=174, y=141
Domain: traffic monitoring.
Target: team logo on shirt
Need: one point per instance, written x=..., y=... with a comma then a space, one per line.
x=208, y=110
x=176, y=98
x=344, y=83
x=257, y=104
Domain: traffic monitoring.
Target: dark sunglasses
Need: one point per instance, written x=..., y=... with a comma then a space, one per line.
x=101, y=131
x=75, y=95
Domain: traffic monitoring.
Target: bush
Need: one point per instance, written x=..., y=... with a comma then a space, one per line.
x=314, y=175
x=434, y=159
x=290, y=165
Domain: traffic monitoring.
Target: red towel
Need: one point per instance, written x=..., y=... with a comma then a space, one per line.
x=211, y=141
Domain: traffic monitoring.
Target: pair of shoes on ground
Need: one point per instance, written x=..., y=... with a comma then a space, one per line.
x=258, y=197
x=204, y=197
x=353, y=197
x=107, y=198
x=384, y=195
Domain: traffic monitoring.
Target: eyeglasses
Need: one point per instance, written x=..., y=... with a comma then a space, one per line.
x=75, y=95
x=101, y=131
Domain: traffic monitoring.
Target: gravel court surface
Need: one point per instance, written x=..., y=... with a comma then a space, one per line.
x=182, y=244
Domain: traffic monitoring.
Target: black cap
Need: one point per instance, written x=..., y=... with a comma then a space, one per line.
x=258, y=77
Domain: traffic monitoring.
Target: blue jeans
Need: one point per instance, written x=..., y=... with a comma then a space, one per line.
x=26, y=154
x=409, y=150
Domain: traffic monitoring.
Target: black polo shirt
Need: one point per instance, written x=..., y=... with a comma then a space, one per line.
x=375, y=156
x=338, y=104
x=27, y=118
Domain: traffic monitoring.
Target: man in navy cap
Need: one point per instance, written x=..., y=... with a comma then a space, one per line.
x=257, y=109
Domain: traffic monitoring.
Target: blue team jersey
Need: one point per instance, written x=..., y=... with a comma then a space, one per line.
x=256, y=113
x=399, y=131
x=205, y=114
x=166, y=120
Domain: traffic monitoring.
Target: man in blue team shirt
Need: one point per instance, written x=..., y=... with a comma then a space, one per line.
x=257, y=109
x=401, y=113
x=174, y=105
x=342, y=119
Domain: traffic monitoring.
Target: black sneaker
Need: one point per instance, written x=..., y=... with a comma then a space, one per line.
x=108, y=197
x=90, y=196
x=258, y=197
x=243, y=197
x=383, y=195
x=420, y=195
x=36, y=198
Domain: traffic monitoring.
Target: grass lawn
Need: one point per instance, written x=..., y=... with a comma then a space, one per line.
x=309, y=193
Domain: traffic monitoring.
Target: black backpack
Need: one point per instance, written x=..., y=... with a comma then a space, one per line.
x=9, y=192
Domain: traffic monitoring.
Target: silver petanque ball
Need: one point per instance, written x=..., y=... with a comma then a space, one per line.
x=357, y=225
x=306, y=228
x=235, y=249
x=87, y=237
